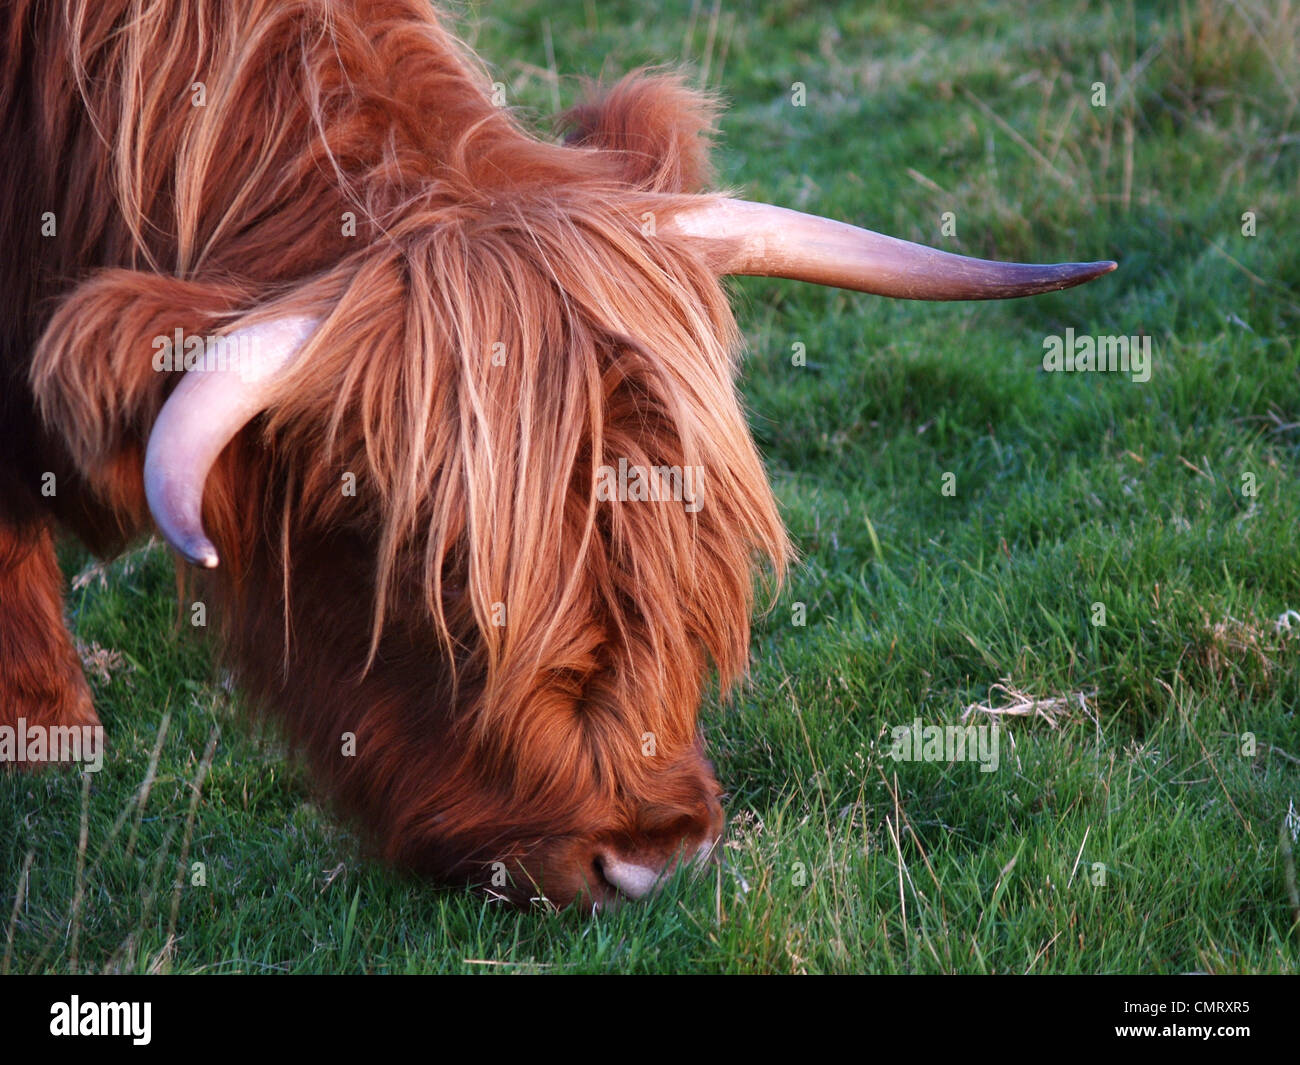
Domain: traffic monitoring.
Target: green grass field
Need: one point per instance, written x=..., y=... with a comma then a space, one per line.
x=1135, y=821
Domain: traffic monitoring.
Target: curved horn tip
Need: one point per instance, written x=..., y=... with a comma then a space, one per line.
x=203, y=555
x=175, y=511
x=176, y=514
x=195, y=548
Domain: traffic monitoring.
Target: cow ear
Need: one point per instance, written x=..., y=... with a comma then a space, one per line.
x=100, y=373
x=661, y=130
x=129, y=357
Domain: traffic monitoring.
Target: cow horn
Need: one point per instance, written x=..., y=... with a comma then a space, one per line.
x=202, y=415
x=769, y=241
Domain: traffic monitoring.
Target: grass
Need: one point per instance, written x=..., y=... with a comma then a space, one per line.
x=1139, y=833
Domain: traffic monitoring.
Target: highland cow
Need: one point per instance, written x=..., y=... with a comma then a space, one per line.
x=454, y=330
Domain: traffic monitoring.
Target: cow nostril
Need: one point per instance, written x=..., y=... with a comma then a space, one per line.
x=628, y=878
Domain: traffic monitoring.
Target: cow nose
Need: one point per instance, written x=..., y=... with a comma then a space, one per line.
x=633, y=878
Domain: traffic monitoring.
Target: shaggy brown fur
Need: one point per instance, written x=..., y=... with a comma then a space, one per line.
x=380, y=613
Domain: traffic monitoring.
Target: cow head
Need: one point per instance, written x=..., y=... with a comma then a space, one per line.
x=475, y=503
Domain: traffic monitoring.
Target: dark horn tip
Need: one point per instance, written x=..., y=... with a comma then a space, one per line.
x=1091, y=270
x=1082, y=273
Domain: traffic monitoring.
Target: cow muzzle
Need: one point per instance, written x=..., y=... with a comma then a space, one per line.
x=636, y=880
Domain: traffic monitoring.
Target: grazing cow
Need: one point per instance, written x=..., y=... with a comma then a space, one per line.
x=442, y=414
